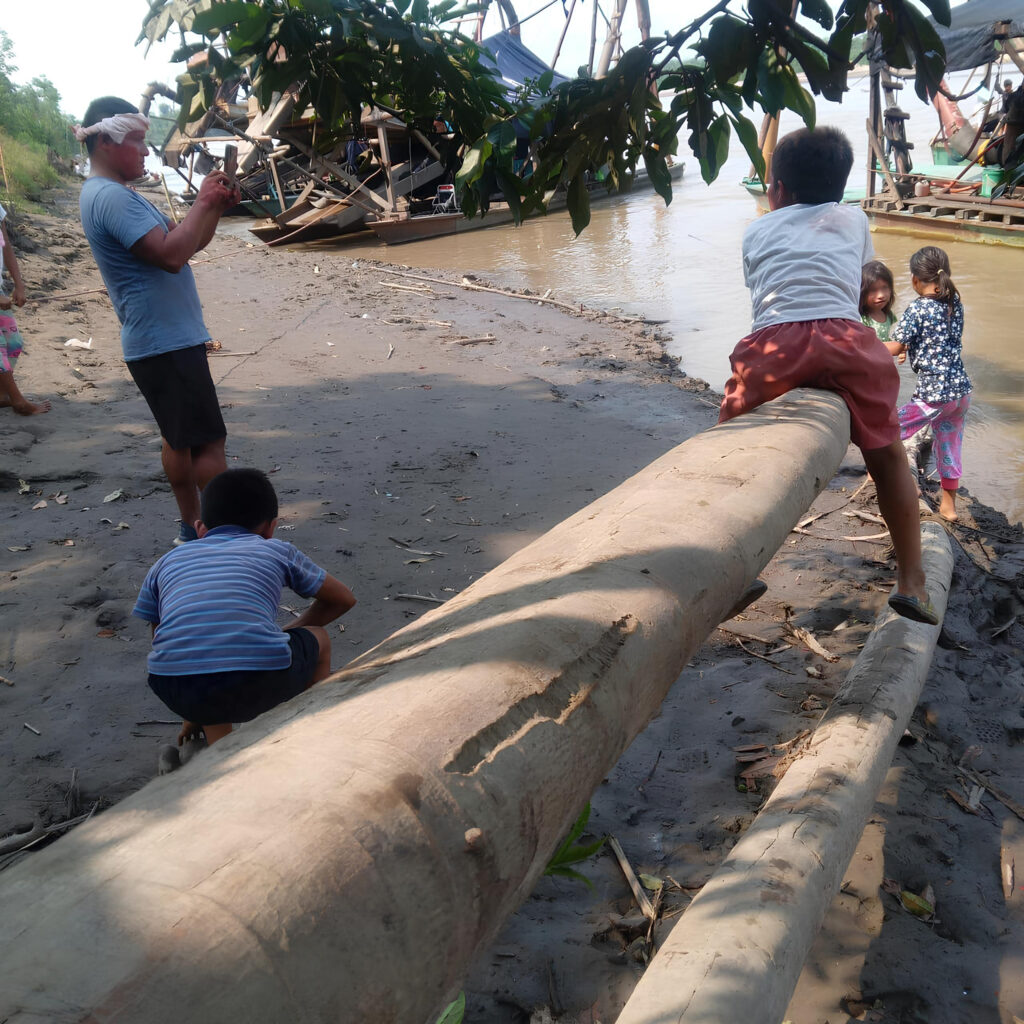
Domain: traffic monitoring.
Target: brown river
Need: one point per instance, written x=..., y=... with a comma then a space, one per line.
x=681, y=264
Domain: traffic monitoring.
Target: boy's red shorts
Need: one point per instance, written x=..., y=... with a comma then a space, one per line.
x=842, y=356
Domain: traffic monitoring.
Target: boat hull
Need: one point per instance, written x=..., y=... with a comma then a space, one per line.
x=435, y=225
x=941, y=220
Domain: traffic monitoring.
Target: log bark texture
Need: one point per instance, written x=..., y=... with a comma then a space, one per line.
x=737, y=952
x=343, y=857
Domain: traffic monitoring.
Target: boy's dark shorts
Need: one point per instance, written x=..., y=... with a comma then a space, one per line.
x=218, y=697
x=179, y=391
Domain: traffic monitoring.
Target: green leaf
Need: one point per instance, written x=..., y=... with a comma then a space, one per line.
x=473, y=163
x=570, y=873
x=748, y=136
x=318, y=8
x=720, y=131
x=817, y=10
x=915, y=904
x=455, y=1011
x=220, y=16
x=729, y=48
x=650, y=882
x=940, y=11
x=658, y=172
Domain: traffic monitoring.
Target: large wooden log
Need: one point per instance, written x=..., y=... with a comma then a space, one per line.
x=343, y=857
x=737, y=952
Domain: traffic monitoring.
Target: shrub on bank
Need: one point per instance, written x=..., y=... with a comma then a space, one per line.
x=25, y=171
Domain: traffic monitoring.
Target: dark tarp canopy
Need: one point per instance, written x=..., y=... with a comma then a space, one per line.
x=971, y=38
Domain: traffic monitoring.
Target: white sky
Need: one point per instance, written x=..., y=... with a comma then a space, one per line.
x=88, y=50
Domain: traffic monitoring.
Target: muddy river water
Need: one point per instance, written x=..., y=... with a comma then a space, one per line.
x=681, y=264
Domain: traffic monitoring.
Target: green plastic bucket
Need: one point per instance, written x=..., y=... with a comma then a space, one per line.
x=989, y=179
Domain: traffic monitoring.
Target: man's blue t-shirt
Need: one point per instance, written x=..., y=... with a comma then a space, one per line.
x=214, y=602
x=159, y=311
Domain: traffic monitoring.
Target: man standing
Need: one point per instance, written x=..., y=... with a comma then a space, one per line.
x=143, y=258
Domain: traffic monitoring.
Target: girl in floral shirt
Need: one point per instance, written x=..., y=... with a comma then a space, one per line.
x=930, y=332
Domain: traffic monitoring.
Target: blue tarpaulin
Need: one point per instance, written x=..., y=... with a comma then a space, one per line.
x=514, y=62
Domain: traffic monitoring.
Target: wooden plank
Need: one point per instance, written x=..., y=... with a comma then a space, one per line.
x=880, y=157
x=277, y=182
x=339, y=172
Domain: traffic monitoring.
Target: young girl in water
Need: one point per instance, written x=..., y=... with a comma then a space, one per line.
x=930, y=332
x=877, y=295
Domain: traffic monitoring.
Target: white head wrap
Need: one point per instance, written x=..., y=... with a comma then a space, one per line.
x=117, y=127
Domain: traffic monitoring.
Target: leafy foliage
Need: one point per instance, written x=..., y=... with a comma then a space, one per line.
x=31, y=113
x=570, y=852
x=455, y=1011
x=735, y=59
x=33, y=131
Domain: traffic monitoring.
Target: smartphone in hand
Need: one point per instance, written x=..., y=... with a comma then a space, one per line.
x=231, y=162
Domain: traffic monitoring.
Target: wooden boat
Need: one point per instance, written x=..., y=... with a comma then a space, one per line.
x=398, y=229
x=952, y=200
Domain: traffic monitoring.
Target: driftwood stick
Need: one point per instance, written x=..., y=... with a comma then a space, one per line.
x=764, y=658
x=819, y=515
x=515, y=295
x=642, y=900
x=1002, y=797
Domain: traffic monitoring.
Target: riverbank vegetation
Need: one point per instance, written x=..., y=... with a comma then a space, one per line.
x=36, y=144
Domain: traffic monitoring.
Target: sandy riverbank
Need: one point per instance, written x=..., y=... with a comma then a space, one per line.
x=349, y=384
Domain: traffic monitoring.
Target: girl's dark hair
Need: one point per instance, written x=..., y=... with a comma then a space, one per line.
x=238, y=497
x=871, y=272
x=931, y=265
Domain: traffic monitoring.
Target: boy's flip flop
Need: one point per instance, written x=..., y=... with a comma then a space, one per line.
x=913, y=608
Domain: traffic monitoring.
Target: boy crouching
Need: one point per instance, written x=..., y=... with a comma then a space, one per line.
x=218, y=654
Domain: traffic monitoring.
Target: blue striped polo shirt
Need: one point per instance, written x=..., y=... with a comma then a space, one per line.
x=214, y=602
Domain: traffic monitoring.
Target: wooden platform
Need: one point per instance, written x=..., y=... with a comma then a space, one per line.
x=964, y=219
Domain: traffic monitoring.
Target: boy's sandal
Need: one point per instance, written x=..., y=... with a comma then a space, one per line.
x=913, y=608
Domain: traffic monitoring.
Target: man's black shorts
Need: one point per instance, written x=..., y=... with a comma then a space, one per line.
x=180, y=394
x=219, y=697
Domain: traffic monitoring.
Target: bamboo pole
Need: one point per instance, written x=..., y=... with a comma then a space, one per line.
x=737, y=951
x=344, y=856
x=611, y=40
x=561, y=38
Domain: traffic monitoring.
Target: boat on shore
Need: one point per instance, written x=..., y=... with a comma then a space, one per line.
x=405, y=227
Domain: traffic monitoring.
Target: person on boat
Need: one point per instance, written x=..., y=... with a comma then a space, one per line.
x=143, y=257
x=1007, y=93
x=931, y=332
x=802, y=263
x=1014, y=124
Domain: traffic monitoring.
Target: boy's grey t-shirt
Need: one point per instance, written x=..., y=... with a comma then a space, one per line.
x=803, y=262
x=159, y=311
